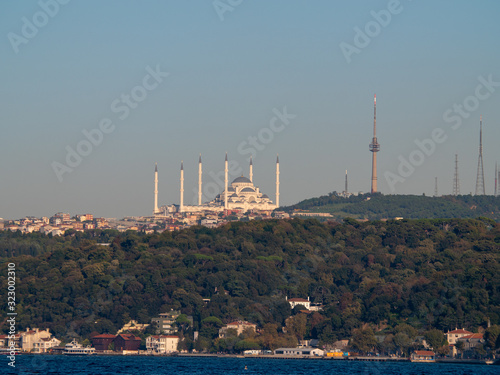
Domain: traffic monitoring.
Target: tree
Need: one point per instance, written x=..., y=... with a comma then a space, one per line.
x=296, y=325
x=491, y=336
x=402, y=342
x=363, y=340
x=435, y=338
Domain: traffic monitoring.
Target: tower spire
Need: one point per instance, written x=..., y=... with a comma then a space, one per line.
x=199, y=181
x=277, y=181
x=346, y=191
x=480, y=190
x=374, y=146
x=155, y=207
x=181, y=206
x=456, y=181
x=225, y=183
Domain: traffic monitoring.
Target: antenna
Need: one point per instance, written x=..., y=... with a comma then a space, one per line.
x=436, y=187
x=374, y=146
x=496, y=179
x=456, y=181
x=480, y=171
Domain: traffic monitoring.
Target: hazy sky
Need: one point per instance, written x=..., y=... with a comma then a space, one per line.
x=162, y=81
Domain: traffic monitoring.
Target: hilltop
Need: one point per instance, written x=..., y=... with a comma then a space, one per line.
x=378, y=206
x=425, y=273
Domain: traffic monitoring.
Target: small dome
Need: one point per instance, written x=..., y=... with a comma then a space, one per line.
x=242, y=180
x=234, y=195
x=247, y=190
x=230, y=188
x=265, y=196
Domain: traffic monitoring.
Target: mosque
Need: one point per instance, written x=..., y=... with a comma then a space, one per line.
x=241, y=195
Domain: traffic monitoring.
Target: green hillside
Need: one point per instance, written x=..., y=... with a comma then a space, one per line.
x=423, y=273
x=378, y=206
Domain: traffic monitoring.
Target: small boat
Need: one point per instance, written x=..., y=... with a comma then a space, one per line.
x=74, y=348
x=9, y=351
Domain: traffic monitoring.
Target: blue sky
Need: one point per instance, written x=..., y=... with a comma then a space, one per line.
x=231, y=66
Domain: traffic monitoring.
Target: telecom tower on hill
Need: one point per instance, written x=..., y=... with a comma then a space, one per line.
x=374, y=146
x=480, y=190
x=456, y=181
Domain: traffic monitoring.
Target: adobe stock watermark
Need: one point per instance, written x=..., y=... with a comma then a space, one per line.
x=223, y=6
x=121, y=107
x=453, y=116
x=251, y=146
x=372, y=29
x=31, y=26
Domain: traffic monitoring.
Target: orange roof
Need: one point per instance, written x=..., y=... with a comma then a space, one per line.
x=462, y=331
x=478, y=336
x=423, y=352
x=104, y=336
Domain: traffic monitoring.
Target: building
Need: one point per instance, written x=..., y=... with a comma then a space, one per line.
x=423, y=356
x=127, y=342
x=471, y=341
x=241, y=195
x=299, y=301
x=305, y=352
x=133, y=326
x=31, y=336
x=165, y=322
x=239, y=326
x=4, y=341
x=162, y=344
x=453, y=336
x=102, y=342
x=45, y=344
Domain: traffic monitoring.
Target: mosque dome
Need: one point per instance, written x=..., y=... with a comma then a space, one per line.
x=247, y=190
x=241, y=179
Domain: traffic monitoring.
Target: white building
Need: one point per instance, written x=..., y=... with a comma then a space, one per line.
x=299, y=301
x=162, y=344
x=241, y=194
x=453, y=336
x=44, y=344
x=32, y=336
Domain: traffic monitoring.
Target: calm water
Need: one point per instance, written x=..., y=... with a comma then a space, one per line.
x=114, y=365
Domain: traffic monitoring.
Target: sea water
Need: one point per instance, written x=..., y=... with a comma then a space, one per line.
x=133, y=365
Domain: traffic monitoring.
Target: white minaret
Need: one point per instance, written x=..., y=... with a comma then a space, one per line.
x=155, y=209
x=225, y=183
x=250, y=174
x=199, y=182
x=277, y=181
x=181, y=206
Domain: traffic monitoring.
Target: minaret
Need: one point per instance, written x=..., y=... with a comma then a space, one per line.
x=155, y=209
x=277, y=181
x=346, y=191
x=480, y=171
x=250, y=174
x=374, y=146
x=181, y=206
x=225, y=183
x=199, y=181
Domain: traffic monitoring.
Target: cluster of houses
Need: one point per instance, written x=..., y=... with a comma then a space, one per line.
x=60, y=222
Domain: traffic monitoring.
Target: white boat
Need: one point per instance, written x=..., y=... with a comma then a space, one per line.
x=74, y=348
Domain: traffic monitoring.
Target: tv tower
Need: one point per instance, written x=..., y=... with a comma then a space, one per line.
x=374, y=146
x=456, y=181
x=480, y=171
x=436, y=187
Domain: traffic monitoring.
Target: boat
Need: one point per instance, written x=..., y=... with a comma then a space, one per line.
x=74, y=348
x=9, y=351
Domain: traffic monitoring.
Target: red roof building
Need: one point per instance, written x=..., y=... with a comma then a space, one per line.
x=125, y=341
x=102, y=342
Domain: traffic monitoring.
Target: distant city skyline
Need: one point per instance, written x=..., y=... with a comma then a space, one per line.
x=95, y=93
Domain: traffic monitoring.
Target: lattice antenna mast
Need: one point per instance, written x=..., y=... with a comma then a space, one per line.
x=496, y=179
x=436, y=187
x=374, y=147
x=456, y=181
x=480, y=190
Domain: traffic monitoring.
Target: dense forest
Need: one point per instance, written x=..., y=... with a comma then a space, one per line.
x=378, y=206
x=384, y=277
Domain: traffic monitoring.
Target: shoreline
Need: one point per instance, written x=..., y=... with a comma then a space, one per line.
x=495, y=362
